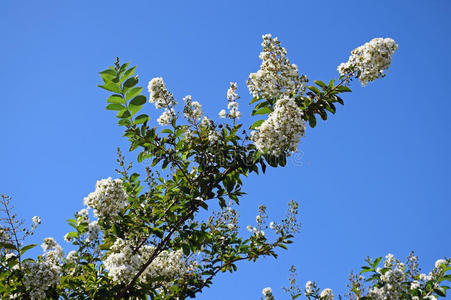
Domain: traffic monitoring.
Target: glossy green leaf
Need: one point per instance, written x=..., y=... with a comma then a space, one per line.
x=133, y=92
x=115, y=106
x=141, y=119
x=115, y=99
x=257, y=124
x=112, y=87
x=262, y=111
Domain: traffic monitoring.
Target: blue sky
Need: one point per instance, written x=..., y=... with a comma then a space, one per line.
x=374, y=178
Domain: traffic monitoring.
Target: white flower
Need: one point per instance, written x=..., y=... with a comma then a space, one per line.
x=327, y=294
x=67, y=238
x=123, y=263
x=36, y=220
x=250, y=228
x=277, y=76
x=93, y=231
x=283, y=129
x=8, y=256
x=414, y=285
x=166, y=117
x=192, y=109
x=267, y=292
x=370, y=59
x=440, y=262
x=159, y=95
x=231, y=226
x=231, y=92
x=258, y=219
x=309, y=285
x=272, y=225
x=108, y=199
x=222, y=114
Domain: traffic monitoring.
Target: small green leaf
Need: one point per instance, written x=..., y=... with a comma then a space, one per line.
x=112, y=87
x=312, y=121
x=321, y=84
x=115, y=99
x=141, y=119
x=124, y=122
x=133, y=92
x=440, y=291
x=128, y=73
x=167, y=131
x=108, y=75
x=314, y=89
x=123, y=114
x=257, y=124
x=26, y=248
x=115, y=106
x=343, y=89
x=138, y=100
x=262, y=111
x=255, y=99
x=131, y=82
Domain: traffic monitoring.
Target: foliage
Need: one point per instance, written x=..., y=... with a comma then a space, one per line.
x=143, y=236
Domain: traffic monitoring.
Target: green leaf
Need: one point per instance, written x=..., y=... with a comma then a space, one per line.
x=257, y=124
x=116, y=99
x=136, y=104
x=8, y=246
x=262, y=111
x=26, y=248
x=255, y=99
x=440, y=291
x=321, y=84
x=123, y=114
x=138, y=100
x=128, y=73
x=124, y=122
x=112, y=87
x=312, y=121
x=141, y=119
x=115, y=106
x=331, y=83
x=133, y=92
x=108, y=75
x=167, y=131
x=131, y=82
x=343, y=89
x=314, y=89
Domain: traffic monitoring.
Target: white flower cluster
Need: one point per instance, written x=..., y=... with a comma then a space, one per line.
x=166, y=117
x=277, y=76
x=159, y=95
x=93, y=231
x=44, y=273
x=255, y=230
x=108, y=198
x=232, y=96
x=309, y=286
x=282, y=130
x=123, y=264
x=267, y=293
x=393, y=279
x=370, y=59
x=193, y=109
x=327, y=294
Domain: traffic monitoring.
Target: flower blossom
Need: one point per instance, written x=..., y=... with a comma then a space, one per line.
x=283, y=129
x=370, y=60
x=277, y=76
x=108, y=198
x=159, y=95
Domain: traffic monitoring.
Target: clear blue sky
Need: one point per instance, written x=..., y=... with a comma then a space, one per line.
x=375, y=177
